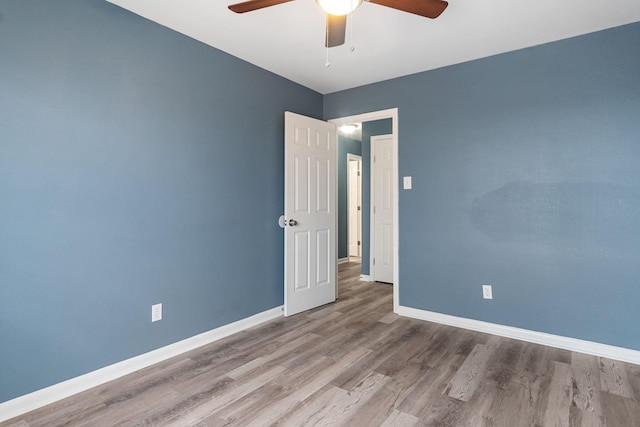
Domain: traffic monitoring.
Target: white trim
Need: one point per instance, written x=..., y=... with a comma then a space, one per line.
x=365, y=117
x=372, y=228
x=343, y=260
x=29, y=402
x=558, y=341
x=391, y=113
x=396, y=215
x=366, y=278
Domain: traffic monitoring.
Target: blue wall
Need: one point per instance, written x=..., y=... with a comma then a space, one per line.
x=369, y=129
x=345, y=146
x=137, y=166
x=526, y=176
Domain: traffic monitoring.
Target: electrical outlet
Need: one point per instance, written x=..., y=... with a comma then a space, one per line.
x=487, y=292
x=156, y=312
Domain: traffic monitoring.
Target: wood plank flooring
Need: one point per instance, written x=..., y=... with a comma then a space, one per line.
x=355, y=363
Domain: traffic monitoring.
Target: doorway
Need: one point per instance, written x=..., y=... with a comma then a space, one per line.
x=373, y=116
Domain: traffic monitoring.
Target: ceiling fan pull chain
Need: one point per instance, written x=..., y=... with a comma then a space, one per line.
x=352, y=47
x=326, y=37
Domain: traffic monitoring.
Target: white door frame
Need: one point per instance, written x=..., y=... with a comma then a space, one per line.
x=358, y=213
x=392, y=114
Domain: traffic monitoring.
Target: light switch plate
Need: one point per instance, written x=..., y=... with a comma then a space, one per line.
x=487, y=292
x=156, y=312
x=406, y=181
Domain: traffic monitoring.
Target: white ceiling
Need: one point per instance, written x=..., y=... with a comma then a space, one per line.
x=288, y=39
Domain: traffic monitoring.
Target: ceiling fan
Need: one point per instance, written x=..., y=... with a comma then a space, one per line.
x=337, y=11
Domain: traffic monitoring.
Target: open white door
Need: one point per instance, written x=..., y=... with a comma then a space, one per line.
x=310, y=205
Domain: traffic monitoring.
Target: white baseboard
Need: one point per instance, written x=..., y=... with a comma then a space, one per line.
x=366, y=278
x=343, y=260
x=29, y=402
x=558, y=341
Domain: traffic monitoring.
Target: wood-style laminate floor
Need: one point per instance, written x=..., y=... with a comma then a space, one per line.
x=356, y=363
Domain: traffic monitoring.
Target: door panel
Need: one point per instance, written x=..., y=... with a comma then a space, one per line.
x=311, y=202
x=324, y=258
x=301, y=263
x=323, y=183
x=301, y=184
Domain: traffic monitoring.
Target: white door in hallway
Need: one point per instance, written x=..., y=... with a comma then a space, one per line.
x=382, y=161
x=310, y=209
x=354, y=212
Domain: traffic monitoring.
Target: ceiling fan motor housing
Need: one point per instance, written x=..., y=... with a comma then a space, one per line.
x=339, y=7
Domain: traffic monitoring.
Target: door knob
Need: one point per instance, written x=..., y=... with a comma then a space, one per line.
x=293, y=222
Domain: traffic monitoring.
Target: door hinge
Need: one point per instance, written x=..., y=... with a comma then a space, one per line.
x=374, y=210
x=374, y=261
x=374, y=159
x=358, y=207
x=358, y=242
x=358, y=173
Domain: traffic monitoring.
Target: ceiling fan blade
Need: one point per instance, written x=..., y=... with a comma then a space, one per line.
x=336, y=29
x=427, y=8
x=250, y=5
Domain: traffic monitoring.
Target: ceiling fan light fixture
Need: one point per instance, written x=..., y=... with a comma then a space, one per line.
x=339, y=7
